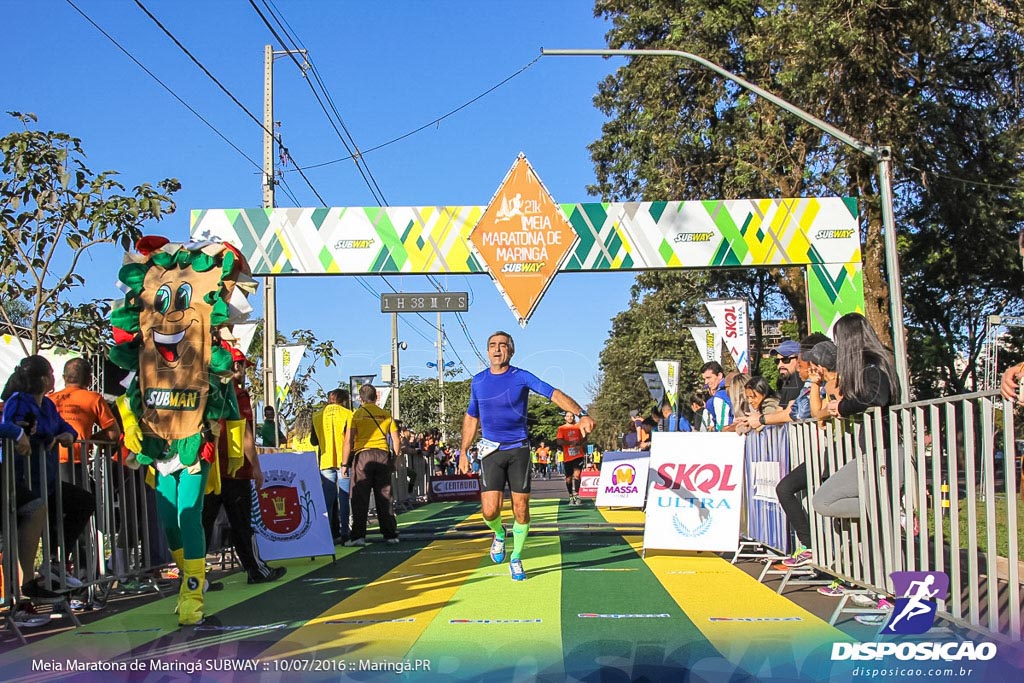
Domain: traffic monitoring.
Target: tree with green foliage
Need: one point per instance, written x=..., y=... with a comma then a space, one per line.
x=654, y=327
x=939, y=83
x=305, y=393
x=54, y=210
x=421, y=402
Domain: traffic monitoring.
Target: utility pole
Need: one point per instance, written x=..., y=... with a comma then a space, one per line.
x=269, y=181
x=440, y=373
x=395, y=413
x=269, y=291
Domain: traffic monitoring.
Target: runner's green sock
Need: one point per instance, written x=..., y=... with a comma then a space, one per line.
x=496, y=527
x=519, y=532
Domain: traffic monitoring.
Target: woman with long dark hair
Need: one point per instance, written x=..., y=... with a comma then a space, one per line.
x=867, y=379
x=26, y=405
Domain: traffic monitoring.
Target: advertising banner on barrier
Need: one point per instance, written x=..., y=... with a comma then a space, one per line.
x=589, y=482
x=730, y=316
x=694, y=492
x=454, y=487
x=767, y=461
x=289, y=516
x=623, y=481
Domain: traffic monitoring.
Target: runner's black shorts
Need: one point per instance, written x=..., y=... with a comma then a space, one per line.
x=511, y=466
x=571, y=466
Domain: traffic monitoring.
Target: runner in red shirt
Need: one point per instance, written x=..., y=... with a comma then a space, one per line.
x=570, y=438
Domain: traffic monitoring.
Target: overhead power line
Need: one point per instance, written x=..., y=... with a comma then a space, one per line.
x=227, y=92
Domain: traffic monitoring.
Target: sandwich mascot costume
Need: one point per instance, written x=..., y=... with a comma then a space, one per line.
x=180, y=301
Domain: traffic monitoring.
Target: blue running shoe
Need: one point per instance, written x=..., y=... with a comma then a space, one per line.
x=516, y=567
x=498, y=549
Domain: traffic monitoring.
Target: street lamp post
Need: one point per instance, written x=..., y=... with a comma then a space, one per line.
x=441, y=367
x=882, y=156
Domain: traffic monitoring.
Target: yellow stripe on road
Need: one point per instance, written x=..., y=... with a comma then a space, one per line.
x=747, y=622
x=385, y=618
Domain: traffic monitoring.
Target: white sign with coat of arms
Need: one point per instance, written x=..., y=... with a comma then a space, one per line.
x=289, y=516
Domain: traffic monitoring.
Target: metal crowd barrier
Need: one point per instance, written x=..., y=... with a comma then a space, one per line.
x=932, y=496
x=121, y=543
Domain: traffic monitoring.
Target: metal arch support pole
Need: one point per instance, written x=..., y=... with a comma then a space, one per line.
x=882, y=155
x=892, y=267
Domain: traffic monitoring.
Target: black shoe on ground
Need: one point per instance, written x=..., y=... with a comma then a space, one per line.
x=275, y=574
x=35, y=591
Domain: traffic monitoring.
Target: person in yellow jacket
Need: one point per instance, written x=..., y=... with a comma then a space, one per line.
x=329, y=427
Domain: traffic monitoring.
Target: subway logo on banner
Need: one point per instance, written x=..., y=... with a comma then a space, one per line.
x=842, y=234
x=172, y=399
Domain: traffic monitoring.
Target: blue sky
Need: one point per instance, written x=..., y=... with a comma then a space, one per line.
x=390, y=67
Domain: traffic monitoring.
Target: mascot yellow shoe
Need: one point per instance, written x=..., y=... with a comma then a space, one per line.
x=190, y=596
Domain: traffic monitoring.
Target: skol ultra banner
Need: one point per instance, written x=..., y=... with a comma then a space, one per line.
x=694, y=491
x=668, y=371
x=623, y=481
x=654, y=386
x=730, y=316
x=289, y=514
x=708, y=341
x=286, y=361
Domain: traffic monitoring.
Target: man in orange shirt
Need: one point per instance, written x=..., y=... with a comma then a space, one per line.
x=570, y=438
x=83, y=409
x=543, y=460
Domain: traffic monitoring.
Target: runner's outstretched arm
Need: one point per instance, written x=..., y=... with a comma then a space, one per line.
x=566, y=403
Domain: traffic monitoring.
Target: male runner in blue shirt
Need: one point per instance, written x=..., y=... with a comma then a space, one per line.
x=497, y=405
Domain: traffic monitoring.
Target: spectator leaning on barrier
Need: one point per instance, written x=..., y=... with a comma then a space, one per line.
x=761, y=399
x=735, y=387
x=790, y=487
x=867, y=379
x=1012, y=376
x=31, y=522
x=85, y=410
x=26, y=405
x=786, y=355
x=718, y=408
x=822, y=377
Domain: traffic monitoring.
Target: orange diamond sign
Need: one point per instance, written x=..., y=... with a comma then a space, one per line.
x=523, y=237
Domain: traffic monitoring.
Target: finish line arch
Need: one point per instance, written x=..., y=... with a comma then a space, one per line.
x=523, y=238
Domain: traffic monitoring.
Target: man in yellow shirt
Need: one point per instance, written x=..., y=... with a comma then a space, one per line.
x=329, y=427
x=371, y=447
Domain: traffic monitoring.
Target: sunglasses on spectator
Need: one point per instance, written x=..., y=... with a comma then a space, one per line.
x=784, y=359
